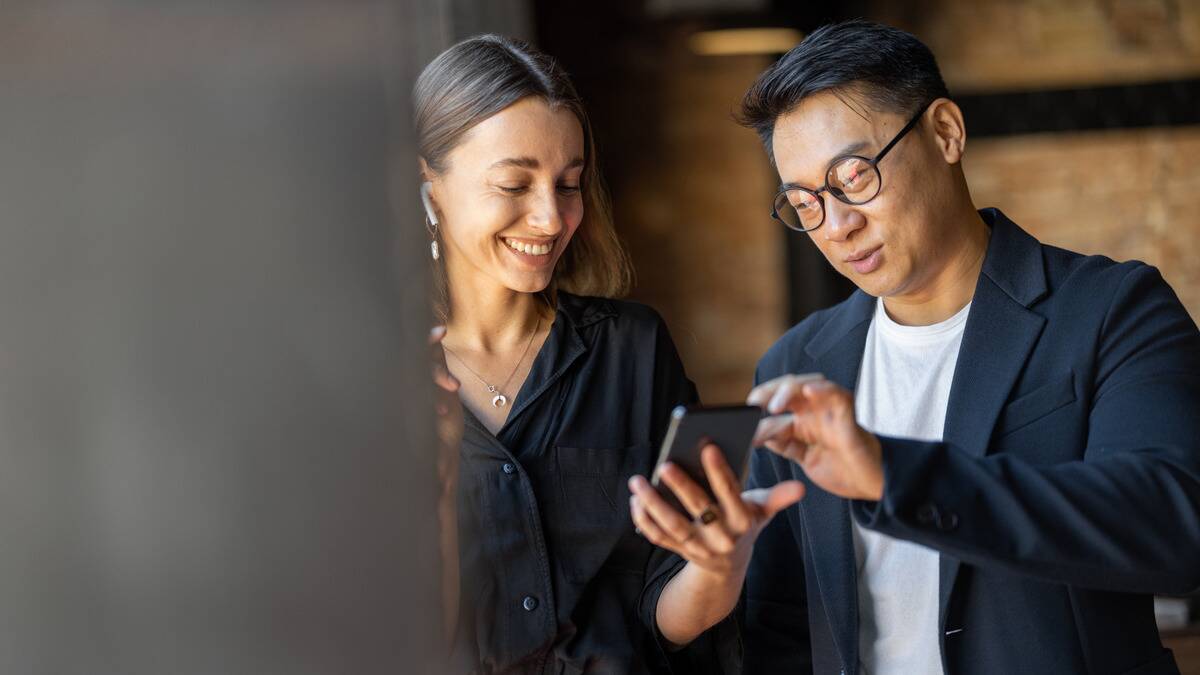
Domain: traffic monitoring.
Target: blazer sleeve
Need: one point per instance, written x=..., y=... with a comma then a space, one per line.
x=1125, y=517
x=774, y=606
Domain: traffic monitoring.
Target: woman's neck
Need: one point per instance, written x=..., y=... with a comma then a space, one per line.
x=490, y=318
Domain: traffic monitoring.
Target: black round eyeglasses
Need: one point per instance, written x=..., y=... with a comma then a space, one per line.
x=851, y=179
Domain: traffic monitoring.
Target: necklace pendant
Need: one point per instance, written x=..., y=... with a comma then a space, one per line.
x=499, y=401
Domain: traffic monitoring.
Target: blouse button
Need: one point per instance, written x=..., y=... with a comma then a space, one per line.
x=508, y=468
x=530, y=603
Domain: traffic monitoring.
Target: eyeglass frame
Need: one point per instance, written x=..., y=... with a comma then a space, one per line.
x=873, y=163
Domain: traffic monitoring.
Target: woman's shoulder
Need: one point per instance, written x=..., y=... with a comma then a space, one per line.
x=610, y=313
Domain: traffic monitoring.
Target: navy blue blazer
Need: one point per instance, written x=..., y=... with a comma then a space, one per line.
x=1066, y=490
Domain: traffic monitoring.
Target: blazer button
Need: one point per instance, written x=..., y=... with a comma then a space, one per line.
x=508, y=468
x=927, y=514
x=530, y=603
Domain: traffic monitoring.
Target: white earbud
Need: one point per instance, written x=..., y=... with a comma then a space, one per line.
x=426, y=189
x=431, y=221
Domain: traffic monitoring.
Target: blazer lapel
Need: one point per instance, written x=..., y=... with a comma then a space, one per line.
x=997, y=340
x=837, y=352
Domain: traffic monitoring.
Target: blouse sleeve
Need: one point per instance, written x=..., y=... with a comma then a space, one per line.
x=718, y=650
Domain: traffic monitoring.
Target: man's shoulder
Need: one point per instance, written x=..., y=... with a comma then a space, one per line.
x=1033, y=272
x=789, y=353
x=1075, y=277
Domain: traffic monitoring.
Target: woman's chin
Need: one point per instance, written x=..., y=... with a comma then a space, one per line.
x=528, y=283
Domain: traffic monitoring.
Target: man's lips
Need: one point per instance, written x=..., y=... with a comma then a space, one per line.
x=867, y=261
x=860, y=255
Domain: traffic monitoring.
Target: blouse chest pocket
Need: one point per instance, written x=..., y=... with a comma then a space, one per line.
x=590, y=479
x=589, y=510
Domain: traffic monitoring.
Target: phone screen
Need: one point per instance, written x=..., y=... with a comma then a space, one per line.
x=730, y=428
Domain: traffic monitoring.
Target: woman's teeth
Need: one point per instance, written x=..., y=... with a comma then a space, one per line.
x=528, y=249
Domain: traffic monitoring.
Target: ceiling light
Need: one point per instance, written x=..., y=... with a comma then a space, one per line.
x=733, y=41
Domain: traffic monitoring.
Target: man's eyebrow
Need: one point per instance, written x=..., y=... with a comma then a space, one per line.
x=849, y=149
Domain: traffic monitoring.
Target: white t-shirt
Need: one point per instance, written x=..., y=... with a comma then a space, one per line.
x=903, y=389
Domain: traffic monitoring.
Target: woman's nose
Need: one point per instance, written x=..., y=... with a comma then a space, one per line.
x=546, y=214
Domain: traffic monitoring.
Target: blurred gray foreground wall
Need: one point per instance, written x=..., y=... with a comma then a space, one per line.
x=215, y=447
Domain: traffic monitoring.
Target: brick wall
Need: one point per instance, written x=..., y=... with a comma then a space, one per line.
x=993, y=45
x=1124, y=194
x=691, y=193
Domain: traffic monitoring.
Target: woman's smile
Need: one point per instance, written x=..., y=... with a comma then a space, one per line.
x=532, y=251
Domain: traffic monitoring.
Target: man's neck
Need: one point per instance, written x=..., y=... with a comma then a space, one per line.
x=950, y=285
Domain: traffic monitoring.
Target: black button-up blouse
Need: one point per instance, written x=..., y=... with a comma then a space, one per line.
x=554, y=578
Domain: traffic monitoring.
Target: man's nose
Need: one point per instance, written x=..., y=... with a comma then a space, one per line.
x=841, y=220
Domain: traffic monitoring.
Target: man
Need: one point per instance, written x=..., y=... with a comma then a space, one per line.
x=1000, y=451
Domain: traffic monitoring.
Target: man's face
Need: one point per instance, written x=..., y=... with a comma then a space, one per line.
x=891, y=245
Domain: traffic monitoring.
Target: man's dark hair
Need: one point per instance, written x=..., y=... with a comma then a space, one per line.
x=886, y=68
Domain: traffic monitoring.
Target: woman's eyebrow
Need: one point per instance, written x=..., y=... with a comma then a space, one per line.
x=520, y=162
x=531, y=163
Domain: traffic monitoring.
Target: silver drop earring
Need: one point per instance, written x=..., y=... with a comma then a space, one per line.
x=433, y=245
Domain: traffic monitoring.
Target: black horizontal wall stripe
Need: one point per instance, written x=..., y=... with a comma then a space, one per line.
x=1128, y=106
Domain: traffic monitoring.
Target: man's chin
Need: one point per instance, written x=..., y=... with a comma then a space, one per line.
x=872, y=285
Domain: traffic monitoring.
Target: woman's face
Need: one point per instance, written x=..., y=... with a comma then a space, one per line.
x=510, y=200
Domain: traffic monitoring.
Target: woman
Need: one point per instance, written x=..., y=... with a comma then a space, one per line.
x=566, y=391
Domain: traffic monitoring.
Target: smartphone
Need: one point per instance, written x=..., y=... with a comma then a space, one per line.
x=730, y=428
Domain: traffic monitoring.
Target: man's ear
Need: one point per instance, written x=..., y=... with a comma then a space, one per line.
x=950, y=133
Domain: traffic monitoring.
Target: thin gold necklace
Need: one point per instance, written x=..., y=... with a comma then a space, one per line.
x=499, y=400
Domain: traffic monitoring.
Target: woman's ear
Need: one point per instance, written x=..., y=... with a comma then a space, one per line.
x=949, y=130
